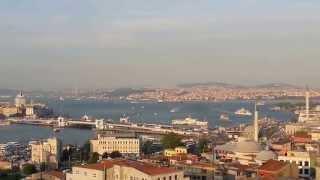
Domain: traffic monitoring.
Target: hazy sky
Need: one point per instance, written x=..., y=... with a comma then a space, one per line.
x=121, y=43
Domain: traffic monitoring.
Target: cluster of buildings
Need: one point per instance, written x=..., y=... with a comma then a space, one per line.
x=21, y=108
x=219, y=93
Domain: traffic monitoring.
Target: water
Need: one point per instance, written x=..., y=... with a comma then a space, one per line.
x=138, y=112
x=26, y=133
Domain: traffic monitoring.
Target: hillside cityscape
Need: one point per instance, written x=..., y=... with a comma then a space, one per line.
x=159, y=90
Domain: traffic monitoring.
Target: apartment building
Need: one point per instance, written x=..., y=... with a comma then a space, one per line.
x=125, y=145
x=123, y=170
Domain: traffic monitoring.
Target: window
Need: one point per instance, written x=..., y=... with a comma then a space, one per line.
x=306, y=163
x=300, y=171
x=306, y=171
x=175, y=177
x=170, y=178
x=164, y=178
x=300, y=163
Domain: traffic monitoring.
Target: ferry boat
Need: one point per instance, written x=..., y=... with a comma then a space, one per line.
x=224, y=117
x=56, y=130
x=243, y=112
x=189, y=121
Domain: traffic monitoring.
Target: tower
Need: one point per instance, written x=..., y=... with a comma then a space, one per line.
x=307, y=104
x=255, y=124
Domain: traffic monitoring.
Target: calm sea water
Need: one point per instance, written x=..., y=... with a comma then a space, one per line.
x=138, y=112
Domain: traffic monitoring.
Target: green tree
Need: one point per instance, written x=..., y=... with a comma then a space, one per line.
x=105, y=155
x=203, y=145
x=115, y=154
x=29, y=169
x=171, y=141
x=93, y=158
x=85, y=151
x=147, y=147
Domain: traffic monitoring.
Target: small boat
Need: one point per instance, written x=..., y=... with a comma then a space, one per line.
x=243, y=112
x=56, y=129
x=224, y=117
x=261, y=103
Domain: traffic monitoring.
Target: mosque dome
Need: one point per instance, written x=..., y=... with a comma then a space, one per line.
x=266, y=155
x=247, y=146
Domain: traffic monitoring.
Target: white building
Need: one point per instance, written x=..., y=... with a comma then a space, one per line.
x=47, y=152
x=125, y=145
x=302, y=159
x=20, y=100
x=123, y=170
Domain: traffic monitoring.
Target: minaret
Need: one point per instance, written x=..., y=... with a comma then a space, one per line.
x=255, y=124
x=307, y=104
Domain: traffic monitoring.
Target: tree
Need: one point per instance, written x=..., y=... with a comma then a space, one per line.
x=29, y=169
x=115, y=154
x=93, y=158
x=171, y=141
x=85, y=151
x=105, y=155
x=147, y=147
x=203, y=145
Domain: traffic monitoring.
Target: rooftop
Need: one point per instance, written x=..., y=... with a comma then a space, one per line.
x=140, y=166
x=272, y=165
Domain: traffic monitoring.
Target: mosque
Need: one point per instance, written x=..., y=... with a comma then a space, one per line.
x=246, y=150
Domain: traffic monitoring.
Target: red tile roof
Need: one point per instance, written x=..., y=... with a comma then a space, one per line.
x=56, y=174
x=272, y=165
x=140, y=166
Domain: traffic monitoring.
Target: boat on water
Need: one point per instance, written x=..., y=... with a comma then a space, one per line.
x=224, y=117
x=56, y=129
x=189, y=121
x=243, y=112
x=261, y=103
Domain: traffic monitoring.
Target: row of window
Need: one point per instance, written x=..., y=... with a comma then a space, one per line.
x=86, y=174
x=300, y=163
x=119, y=142
x=304, y=171
x=170, y=178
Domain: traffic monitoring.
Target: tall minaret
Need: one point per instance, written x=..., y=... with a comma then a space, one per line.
x=307, y=104
x=255, y=124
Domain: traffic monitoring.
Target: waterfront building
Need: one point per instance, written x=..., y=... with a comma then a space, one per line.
x=30, y=111
x=309, y=115
x=123, y=170
x=47, y=152
x=109, y=144
x=175, y=152
x=302, y=159
x=274, y=169
x=9, y=111
x=20, y=100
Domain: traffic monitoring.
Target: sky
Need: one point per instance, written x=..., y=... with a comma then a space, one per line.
x=46, y=44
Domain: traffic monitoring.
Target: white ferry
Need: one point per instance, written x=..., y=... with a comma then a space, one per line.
x=189, y=121
x=243, y=112
x=224, y=117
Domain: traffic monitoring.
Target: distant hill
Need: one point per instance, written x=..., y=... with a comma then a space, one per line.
x=209, y=84
x=226, y=85
x=126, y=91
x=278, y=85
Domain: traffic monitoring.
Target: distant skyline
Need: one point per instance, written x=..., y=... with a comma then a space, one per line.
x=61, y=44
